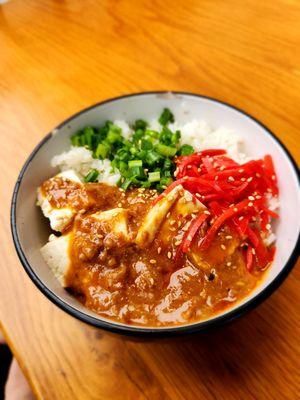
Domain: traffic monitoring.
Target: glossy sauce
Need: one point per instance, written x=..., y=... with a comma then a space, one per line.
x=117, y=279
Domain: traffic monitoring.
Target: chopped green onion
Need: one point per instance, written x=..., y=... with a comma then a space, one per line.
x=152, y=157
x=135, y=163
x=102, y=151
x=186, y=150
x=125, y=185
x=146, y=144
x=166, y=151
x=88, y=136
x=138, y=134
x=154, y=176
x=140, y=124
x=166, y=117
x=91, y=176
x=137, y=172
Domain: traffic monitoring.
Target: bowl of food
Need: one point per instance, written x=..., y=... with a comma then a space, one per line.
x=157, y=214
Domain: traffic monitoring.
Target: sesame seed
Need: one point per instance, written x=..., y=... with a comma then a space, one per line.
x=230, y=178
x=251, y=198
x=253, y=251
x=250, y=204
x=159, y=250
x=206, y=212
x=216, y=177
x=198, y=195
x=249, y=179
x=268, y=226
x=169, y=255
x=152, y=261
x=257, y=175
x=177, y=243
x=172, y=222
x=243, y=179
x=253, y=219
x=168, y=214
x=223, y=247
x=240, y=218
x=235, y=209
x=241, y=170
x=222, y=167
x=228, y=237
x=228, y=264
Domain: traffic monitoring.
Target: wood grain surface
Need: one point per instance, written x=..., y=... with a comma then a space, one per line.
x=57, y=57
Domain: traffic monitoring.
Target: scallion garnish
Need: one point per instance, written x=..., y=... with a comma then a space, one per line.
x=91, y=176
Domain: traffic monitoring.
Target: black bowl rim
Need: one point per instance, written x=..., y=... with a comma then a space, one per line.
x=136, y=330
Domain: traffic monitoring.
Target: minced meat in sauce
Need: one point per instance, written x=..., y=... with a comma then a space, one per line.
x=115, y=278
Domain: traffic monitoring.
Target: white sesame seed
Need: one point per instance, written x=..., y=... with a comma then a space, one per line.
x=250, y=204
x=159, y=250
x=257, y=175
x=168, y=214
x=222, y=167
x=241, y=170
x=228, y=264
x=240, y=218
x=235, y=209
x=253, y=251
x=223, y=247
x=152, y=261
x=249, y=179
x=251, y=198
x=243, y=179
x=230, y=178
x=258, y=197
x=228, y=237
x=206, y=212
x=177, y=243
x=198, y=195
x=169, y=255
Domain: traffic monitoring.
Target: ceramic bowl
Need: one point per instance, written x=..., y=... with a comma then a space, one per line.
x=30, y=229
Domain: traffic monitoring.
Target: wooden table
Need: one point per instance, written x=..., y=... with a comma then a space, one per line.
x=57, y=57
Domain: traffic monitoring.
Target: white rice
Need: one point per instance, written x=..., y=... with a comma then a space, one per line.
x=202, y=136
x=80, y=160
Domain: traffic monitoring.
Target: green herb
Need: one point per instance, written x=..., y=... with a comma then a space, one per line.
x=91, y=176
x=140, y=124
x=154, y=176
x=166, y=117
x=166, y=151
x=135, y=163
x=186, y=150
x=143, y=160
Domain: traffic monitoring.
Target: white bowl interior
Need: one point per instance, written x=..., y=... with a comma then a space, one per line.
x=33, y=229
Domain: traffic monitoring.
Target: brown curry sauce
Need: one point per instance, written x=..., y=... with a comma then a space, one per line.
x=120, y=281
